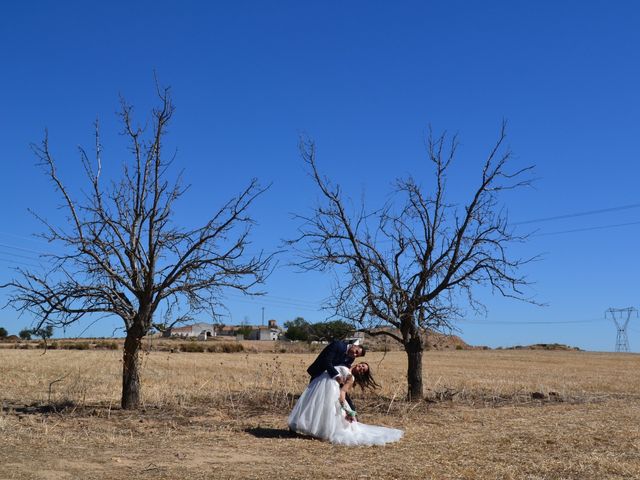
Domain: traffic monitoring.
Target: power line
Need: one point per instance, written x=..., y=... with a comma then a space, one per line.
x=293, y=300
x=28, y=257
x=5, y=245
x=283, y=300
x=261, y=300
x=534, y=322
x=22, y=237
x=580, y=214
x=274, y=299
x=586, y=229
x=17, y=262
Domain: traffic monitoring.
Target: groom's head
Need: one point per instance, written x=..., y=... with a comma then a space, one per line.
x=355, y=351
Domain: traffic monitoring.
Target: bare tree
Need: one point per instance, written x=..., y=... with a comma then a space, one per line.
x=403, y=269
x=125, y=256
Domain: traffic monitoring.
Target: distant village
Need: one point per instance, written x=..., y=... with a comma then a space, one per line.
x=204, y=331
x=273, y=332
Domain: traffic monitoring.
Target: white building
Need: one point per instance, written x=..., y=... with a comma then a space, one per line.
x=269, y=333
x=201, y=331
x=357, y=338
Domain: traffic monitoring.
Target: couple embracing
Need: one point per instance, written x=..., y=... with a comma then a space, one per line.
x=325, y=410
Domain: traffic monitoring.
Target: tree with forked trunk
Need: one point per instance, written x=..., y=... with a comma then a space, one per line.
x=124, y=254
x=404, y=269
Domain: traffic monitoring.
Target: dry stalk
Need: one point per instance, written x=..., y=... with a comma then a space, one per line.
x=51, y=385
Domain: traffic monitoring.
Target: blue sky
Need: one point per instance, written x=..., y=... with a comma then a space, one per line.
x=364, y=79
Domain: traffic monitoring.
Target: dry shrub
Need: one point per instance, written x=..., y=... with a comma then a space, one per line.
x=226, y=347
x=76, y=346
x=191, y=347
x=107, y=345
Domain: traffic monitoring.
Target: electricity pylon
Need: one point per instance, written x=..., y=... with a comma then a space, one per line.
x=621, y=317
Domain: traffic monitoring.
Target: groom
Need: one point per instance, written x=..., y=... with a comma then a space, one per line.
x=334, y=354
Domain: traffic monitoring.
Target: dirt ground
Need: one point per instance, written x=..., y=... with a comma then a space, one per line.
x=578, y=429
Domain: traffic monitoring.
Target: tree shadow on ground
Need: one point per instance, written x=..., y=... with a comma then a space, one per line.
x=35, y=409
x=263, y=432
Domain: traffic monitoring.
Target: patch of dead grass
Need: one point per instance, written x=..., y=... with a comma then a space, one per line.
x=224, y=416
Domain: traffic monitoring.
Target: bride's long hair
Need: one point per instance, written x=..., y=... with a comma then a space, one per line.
x=365, y=380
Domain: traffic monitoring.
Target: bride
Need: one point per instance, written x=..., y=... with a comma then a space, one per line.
x=322, y=411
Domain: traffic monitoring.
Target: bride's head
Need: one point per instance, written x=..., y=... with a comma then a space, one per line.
x=362, y=376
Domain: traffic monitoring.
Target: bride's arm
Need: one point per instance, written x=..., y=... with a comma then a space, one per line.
x=346, y=388
x=349, y=414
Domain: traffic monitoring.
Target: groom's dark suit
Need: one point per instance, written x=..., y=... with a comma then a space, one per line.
x=330, y=357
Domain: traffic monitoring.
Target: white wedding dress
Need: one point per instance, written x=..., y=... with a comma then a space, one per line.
x=318, y=414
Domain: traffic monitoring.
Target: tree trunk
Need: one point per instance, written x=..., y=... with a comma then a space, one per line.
x=131, y=370
x=414, y=350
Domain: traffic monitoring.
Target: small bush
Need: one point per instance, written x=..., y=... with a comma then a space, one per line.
x=191, y=347
x=232, y=347
x=104, y=345
x=163, y=347
x=49, y=345
x=225, y=347
x=77, y=346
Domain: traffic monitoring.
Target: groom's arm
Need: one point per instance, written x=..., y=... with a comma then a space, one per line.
x=327, y=356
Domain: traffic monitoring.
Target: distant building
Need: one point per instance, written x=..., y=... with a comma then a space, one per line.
x=201, y=331
x=271, y=332
x=357, y=338
x=227, y=330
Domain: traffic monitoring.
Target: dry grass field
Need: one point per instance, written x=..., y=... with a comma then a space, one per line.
x=488, y=414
